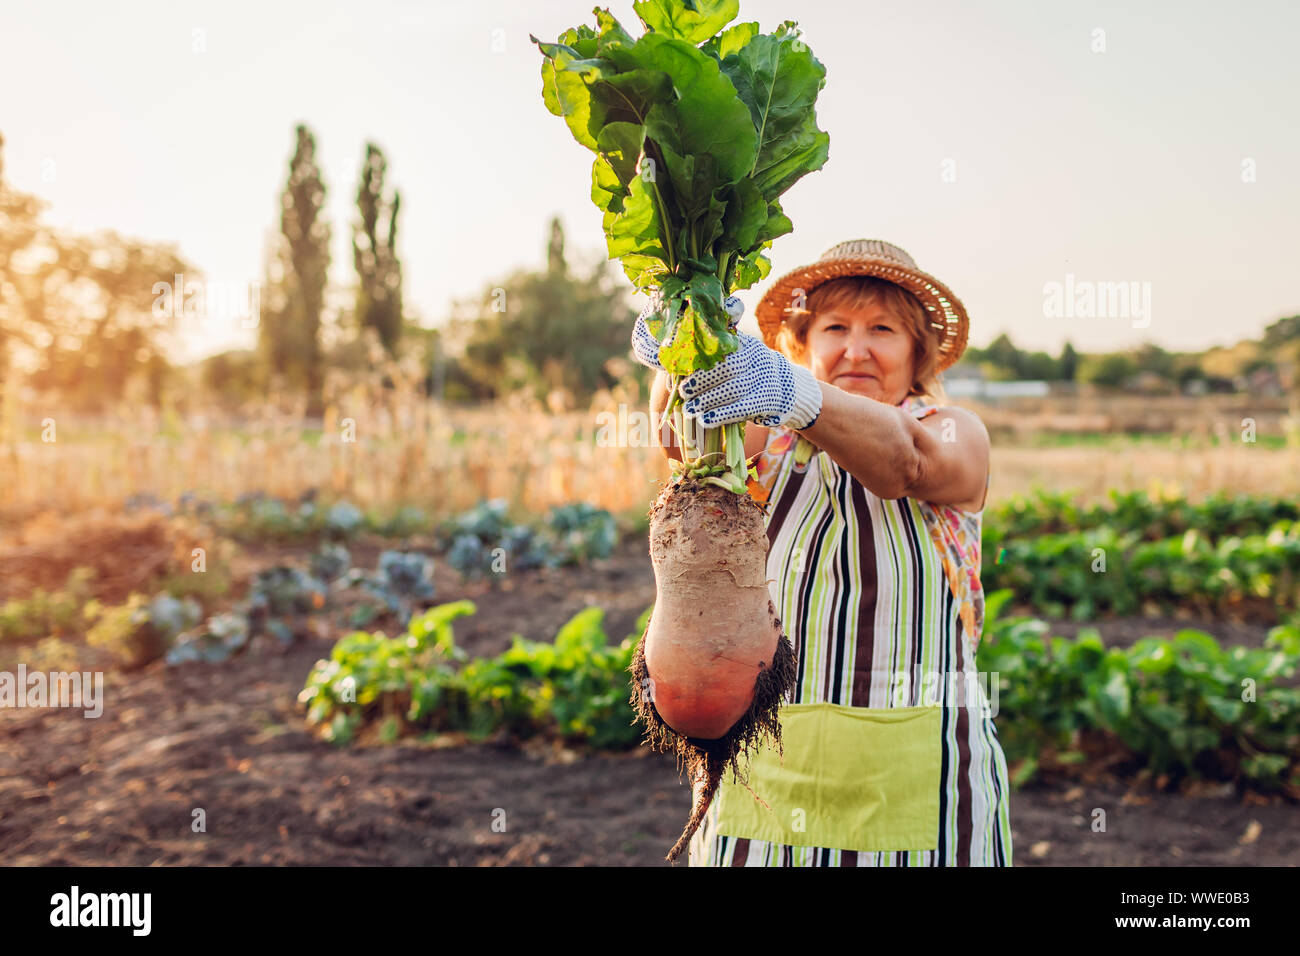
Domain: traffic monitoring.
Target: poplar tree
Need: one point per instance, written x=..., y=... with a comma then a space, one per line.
x=374, y=253
x=290, y=331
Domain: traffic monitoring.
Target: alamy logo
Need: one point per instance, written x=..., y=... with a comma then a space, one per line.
x=1085, y=299
x=84, y=690
x=102, y=909
x=208, y=299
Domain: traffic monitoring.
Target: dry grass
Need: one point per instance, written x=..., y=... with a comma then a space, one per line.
x=126, y=552
x=1199, y=419
x=1202, y=452
x=382, y=449
x=1093, y=472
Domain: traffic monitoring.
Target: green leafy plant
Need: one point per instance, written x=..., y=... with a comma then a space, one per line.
x=698, y=130
x=257, y=516
x=571, y=534
x=1184, y=707
x=402, y=580
x=1060, y=573
x=279, y=605
x=572, y=688
x=283, y=599
x=344, y=519
x=330, y=562
x=44, y=613
x=579, y=532
x=142, y=629
x=579, y=680
x=219, y=637
x=369, y=672
x=280, y=600
x=1216, y=516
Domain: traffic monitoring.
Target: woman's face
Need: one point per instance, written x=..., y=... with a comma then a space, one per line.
x=866, y=351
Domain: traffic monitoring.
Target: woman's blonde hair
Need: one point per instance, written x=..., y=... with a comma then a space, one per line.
x=853, y=292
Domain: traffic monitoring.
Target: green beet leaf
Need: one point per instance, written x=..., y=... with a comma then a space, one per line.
x=746, y=214
x=694, y=346
x=607, y=191
x=707, y=119
x=629, y=96
x=777, y=224
x=694, y=22
x=730, y=40
x=634, y=232
x=778, y=78
x=698, y=127
x=620, y=145
x=610, y=33
x=751, y=269
x=566, y=91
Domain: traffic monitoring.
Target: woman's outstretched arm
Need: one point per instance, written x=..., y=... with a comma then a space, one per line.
x=942, y=459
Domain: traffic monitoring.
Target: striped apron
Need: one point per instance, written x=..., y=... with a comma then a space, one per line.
x=881, y=601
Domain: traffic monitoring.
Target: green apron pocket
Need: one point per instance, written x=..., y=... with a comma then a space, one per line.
x=852, y=778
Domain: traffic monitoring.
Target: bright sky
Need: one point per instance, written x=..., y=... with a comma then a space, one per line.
x=173, y=121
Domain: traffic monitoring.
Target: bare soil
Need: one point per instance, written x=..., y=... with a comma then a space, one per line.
x=230, y=740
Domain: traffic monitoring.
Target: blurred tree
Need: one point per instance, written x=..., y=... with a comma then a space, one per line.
x=82, y=314
x=1150, y=357
x=1068, y=364
x=542, y=332
x=1002, y=361
x=1112, y=370
x=1282, y=341
x=1037, y=366
x=1283, y=332
x=20, y=231
x=374, y=253
x=234, y=378
x=444, y=378
x=555, y=264
x=109, y=303
x=297, y=268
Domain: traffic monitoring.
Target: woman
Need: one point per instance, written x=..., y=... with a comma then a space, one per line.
x=874, y=493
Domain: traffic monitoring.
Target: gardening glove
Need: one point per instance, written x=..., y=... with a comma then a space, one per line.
x=645, y=347
x=753, y=383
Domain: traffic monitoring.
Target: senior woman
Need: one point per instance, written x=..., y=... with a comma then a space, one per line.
x=873, y=493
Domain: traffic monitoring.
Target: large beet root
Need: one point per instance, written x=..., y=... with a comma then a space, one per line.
x=713, y=666
x=714, y=628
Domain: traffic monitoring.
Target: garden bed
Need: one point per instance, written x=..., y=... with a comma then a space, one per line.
x=230, y=739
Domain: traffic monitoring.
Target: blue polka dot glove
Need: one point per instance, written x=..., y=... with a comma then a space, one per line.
x=753, y=383
x=645, y=347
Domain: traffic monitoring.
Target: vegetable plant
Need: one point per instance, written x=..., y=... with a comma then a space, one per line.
x=698, y=128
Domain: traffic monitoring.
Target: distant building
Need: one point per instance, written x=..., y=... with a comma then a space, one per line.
x=977, y=387
x=964, y=371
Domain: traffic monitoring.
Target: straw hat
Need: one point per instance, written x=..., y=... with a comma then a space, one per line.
x=869, y=257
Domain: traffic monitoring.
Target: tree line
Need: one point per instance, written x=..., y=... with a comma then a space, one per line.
x=79, y=318
x=79, y=315
x=1276, y=354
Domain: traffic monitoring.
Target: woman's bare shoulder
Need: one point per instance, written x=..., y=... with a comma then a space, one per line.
x=964, y=417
